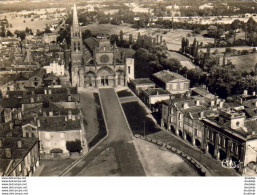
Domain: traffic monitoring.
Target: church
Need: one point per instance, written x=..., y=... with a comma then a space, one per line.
x=95, y=62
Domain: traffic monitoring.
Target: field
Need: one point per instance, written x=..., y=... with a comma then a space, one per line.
x=244, y=62
x=17, y=19
x=173, y=38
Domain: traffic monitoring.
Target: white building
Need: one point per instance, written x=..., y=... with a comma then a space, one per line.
x=56, y=68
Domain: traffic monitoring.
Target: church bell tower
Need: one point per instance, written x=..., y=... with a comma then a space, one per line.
x=76, y=49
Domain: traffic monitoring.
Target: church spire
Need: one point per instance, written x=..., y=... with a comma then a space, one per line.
x=75, y=17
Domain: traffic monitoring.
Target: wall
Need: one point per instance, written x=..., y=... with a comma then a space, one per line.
x=250, y=151
x=57, y=139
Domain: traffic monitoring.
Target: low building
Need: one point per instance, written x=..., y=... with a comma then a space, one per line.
x=182, y=117
x=152, y=96
x=55, y=67
x=55, y=132
x=172, y=82
x=137, y=85
x=49, y=38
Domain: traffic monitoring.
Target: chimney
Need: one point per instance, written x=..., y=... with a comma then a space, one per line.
x=197, y=102
x=254, y=93
x=19, y=144
x=38, y=123
x=212, y=103
x=255, y=104
x=221, y=104
x=32, y=100
x=157, y=92
x=11, y=126
x=49, y=91
x=8, y=153
x=24, y=134
x=202, y=114
x=44, y=113
x=245, y=92
x=65, y=118
x=185, y=105
x=51, y=113
x=217, y=101
x=69, y=98
x=45, y=91
x=73, y=118
x=69, y=115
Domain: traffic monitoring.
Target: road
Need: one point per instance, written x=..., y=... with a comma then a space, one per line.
x=119, y=138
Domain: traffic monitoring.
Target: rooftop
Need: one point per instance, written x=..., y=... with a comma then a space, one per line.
x=142, y=81
x=156, y=91
x=58, y=124
x=167, y=76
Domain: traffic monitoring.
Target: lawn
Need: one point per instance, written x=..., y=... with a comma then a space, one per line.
x=244, y=62
x=173, y=38
x=101, y=124
x=137, y=119
x=55, y=167
x=124, y=93
x=105, y=164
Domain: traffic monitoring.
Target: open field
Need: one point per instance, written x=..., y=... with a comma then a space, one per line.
x=162, y=163
x=17, y=19
x=173, y=38
x=244, y=62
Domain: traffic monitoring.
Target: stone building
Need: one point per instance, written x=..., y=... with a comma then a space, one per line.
x=171, y=81
x=98, y=63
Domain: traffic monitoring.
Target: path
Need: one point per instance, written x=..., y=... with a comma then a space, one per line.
x=119, y=138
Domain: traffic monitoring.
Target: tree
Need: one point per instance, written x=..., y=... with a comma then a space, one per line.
x=9, y=34
x=86, y=34
x=74, y=146
x=130, y=39
x=121, y=35
x=20, y=34
x=235, y=25
x=2, y=33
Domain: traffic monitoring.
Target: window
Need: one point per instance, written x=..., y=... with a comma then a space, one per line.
x=232, y=147
x=237, y=123
x=171, y=119
x=220, y=140
x=196, y=132
x=178, y=86
x=129, y=69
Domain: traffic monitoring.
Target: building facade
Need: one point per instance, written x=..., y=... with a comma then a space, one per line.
x=99, y=63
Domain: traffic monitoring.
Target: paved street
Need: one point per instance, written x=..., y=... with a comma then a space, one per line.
x=119, y=138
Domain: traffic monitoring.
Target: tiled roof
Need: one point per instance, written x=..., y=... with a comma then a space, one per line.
x=10, y=102
x=142, y=81
x=167, y=76
x=156, y=91
x=58, y=124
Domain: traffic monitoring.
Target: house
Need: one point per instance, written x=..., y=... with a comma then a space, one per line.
x=152, y=96
x=55, y=67
x=182, y=117
x=137, y=85
x=49, y=38
x=172, y=82
x=55, y=132
x=19, y=156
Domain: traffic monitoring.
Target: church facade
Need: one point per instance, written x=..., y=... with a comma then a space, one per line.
x=97, y=63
